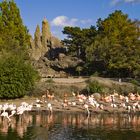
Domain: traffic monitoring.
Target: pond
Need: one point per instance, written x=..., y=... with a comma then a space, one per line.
x=70, y=126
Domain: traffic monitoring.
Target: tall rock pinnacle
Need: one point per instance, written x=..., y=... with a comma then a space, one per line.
x=46, y=34
x=43, y=41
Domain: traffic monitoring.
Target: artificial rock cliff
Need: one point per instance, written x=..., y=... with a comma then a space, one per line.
x=48, y=55
x=43, y=41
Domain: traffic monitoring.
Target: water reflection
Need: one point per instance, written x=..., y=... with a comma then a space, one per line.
x=58, y=126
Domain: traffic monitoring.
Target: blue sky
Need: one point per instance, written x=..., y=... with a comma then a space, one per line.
x=83, y=13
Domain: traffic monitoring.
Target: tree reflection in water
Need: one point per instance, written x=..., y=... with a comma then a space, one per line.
x=57, y=126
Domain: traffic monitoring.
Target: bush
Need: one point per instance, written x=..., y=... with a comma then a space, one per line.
x=95, y=74
x=124, y=89
x=135, y=82
x=16, y=77
x=94, y=87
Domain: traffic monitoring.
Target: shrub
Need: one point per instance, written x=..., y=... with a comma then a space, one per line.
x=135, y=82
x=79, y=69
x=95, y=74
x=16, y=76
x=94, y=87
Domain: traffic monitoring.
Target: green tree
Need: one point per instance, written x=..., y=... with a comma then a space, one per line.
x=79, y=69
x=117, y=44
x=73, y=39
x=13, y=33
x=16, y=76
x=78, y=40
x=94, y=87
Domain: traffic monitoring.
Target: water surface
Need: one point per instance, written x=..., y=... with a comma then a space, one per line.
x=70, y=126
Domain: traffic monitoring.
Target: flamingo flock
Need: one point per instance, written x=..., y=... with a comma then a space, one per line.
x=9, y=110
x=113, y=102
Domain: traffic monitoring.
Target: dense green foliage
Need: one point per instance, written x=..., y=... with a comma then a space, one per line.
x=113, y=47
x=16, y=76
x=117, y=44
x=94, y=87
x=16, y=73
x=13, y=33
x=78, y=39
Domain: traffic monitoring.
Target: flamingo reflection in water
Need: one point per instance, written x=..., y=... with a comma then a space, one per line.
x=87, y=109
x=49, y=106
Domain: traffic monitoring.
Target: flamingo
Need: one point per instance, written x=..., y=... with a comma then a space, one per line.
x=38, y=106
x=49, y=106
x=73, y=103
x=20, y=110
x=113, y=105
x=102, y=106
x=29, y=107
x=74, y=94
x=12, y=113
x=129, y=108
x=64, y=104
x=5, y=106
x=5, y=114
x=12, y=106
x=126, y=99
x=86, y=107
x=38, y=101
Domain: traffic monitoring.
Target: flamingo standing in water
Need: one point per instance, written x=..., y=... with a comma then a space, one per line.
x=49, y=106
x=12, y=113
x=86, y=107
x=5, y=114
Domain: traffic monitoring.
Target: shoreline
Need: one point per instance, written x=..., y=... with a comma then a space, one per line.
x=78, y=108
x=91, y=113
x=59, y=105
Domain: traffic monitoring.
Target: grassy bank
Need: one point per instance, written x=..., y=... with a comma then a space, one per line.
x=60, y=86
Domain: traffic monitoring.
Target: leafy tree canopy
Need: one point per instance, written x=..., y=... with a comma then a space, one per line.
x=16, y=76
x=13, y=33
x=78, y=39
x=117, y=43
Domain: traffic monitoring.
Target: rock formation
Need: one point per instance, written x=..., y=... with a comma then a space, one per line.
x=43, y=41
x=55, y=42
x=49, y=56
x=57, y=68
x=37, y=39
x=46, y=35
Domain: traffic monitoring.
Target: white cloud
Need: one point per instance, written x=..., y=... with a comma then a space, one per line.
x=86, y=21
x=62, y=21
x=114, y=2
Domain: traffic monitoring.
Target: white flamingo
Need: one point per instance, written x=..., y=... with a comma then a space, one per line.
x=49, y=106
x=113, y=105
x=86, y=107
x=129, y=108
x=5, y=114
x=13, y=112
x=20, y=110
